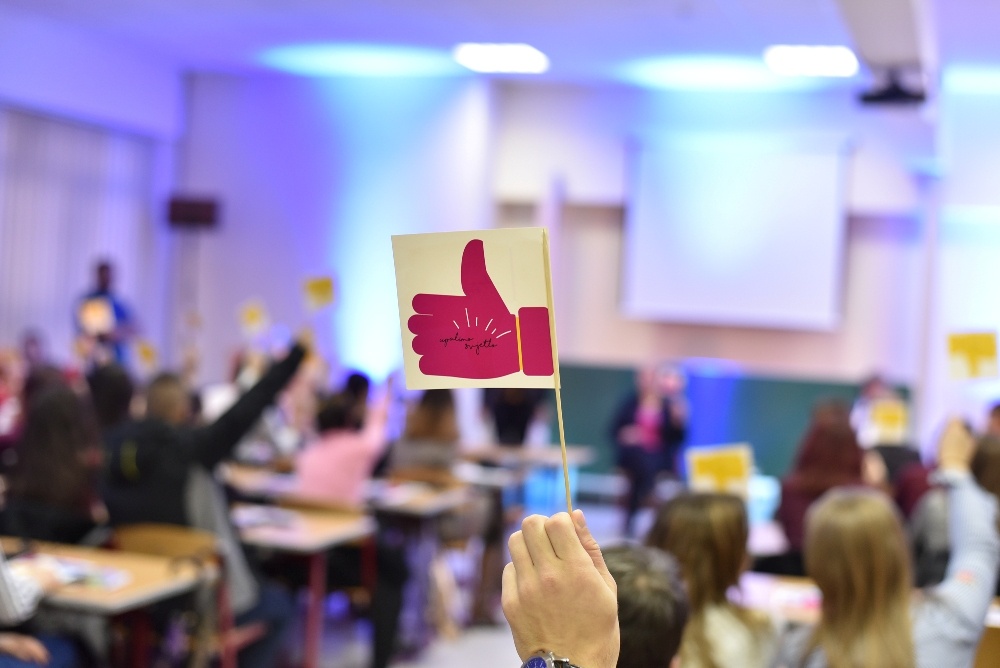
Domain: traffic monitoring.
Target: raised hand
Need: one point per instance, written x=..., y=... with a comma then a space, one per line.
x=475, y=335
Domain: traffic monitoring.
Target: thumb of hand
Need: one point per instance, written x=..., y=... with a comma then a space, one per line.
x=593, y=549
x=476, y=281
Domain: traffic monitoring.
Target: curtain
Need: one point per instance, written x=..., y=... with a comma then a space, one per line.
x=70, y=195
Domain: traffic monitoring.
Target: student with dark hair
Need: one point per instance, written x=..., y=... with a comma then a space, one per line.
x=652, y=606
x=159, y=470
x=52, y=491
x=829, y=456
x=111, y=391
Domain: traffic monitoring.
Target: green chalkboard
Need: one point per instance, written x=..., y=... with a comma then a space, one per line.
x=769, y=413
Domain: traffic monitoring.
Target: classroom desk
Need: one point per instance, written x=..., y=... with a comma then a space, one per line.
x=528, y=457
x=798, y=600
x=309, y=533
x=150, y=579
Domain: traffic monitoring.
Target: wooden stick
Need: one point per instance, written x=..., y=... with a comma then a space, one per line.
x=555, y=369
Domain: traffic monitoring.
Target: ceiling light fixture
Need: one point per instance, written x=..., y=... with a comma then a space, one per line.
x=811, y=61
x=501, y=58
x=359, y=60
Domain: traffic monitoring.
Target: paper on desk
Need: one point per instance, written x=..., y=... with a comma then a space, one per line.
x=248, y=517
x=73, y=571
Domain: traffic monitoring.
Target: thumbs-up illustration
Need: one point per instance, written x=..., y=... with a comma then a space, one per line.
x=475, y=335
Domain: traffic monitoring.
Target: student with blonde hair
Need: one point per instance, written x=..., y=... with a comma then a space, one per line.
x=857, y=553
x=707, y=534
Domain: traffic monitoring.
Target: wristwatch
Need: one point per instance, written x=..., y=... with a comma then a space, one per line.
x=547, y=660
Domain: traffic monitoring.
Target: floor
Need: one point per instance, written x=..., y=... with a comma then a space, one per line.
x=346, y=642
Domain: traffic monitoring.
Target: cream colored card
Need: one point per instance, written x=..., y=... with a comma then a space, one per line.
x=318, y=292
x=97, y=316
x=253, y=318
x=723, y=469
x=972, y=355
x=475, y=308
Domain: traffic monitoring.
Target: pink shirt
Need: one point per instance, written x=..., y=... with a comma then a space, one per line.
x=336, y=467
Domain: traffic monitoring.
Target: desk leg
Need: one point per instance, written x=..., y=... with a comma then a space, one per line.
x=314, y=609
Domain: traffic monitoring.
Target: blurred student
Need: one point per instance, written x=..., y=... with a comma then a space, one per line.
x=857, y=554
x=512, y=410
x=652, y=607
x=111, y=391
x=20, y=594
x=707, y=533
x=335, y=469
x=993, y=420
x=428, y=450
x=648, y=430
x=561, y=600
x=52, y=491
x=928, y=524
x=828, y=457
x=160, y=470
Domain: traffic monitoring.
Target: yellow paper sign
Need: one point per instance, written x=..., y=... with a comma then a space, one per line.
x=318, y=292
x=475, y=308
x=889, y=420
x=147, y=355
x=973, y=355
x=723, y=469
x=253, y=318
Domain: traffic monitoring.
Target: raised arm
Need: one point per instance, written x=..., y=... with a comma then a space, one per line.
x=214, y=443
x=970, y=580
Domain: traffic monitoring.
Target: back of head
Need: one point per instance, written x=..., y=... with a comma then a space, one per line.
x=707, y=533
x=59, y=434
x=857, y=554
x=985, y=464
x=828, y=456
x=111, y=390
x=335, y=413
x=433, y=418
x=357, y=385
x=652, y=606
x=167, y=399
x=41, y=378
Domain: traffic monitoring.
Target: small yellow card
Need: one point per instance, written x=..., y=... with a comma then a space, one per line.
x=318, y=292
x=724, y=469
x=147, y=355
x=973, y=355
x=253, y=318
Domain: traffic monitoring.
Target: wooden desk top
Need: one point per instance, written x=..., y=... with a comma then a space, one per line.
x=149, y=579
x=549, y=456
x=409, y=499
x=306, y=531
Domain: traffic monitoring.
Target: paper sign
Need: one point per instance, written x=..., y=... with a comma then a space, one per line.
x=147, y=356
x=723, y=469
x=973, y=355
x=96, y=316
x=318, y=292
x=889, y=420
x=253, y=318
x=475, y=308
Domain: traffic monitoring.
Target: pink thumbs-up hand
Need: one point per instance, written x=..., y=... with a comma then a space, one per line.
x=475, y=335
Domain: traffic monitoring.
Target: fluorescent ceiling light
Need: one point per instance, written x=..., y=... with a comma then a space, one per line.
x=972, y=80
x=811, y=61
x=708, y=73
x=501, y=58
x=359, y=60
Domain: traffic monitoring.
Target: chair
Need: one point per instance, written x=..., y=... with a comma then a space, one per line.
x=185, y=543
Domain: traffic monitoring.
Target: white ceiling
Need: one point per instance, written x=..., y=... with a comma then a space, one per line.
x=585, y=39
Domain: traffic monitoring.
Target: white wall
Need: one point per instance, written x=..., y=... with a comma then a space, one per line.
x=581, y=137
x=314, y=176
x=68, y=72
